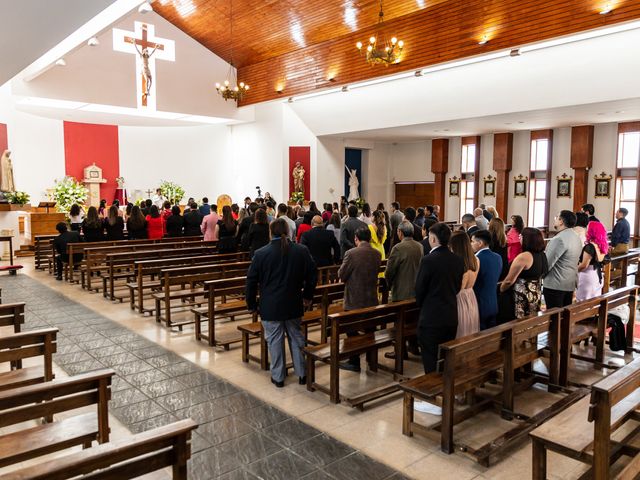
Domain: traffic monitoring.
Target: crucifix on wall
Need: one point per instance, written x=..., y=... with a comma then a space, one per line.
x=143, y=43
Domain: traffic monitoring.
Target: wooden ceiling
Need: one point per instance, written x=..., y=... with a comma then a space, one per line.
x=264, y=29
x=296, y=45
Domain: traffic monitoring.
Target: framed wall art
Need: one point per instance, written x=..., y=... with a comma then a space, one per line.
x=520, y=186
x=564, y=186
x=489, y=186
x=603, y=185
x=454, y=187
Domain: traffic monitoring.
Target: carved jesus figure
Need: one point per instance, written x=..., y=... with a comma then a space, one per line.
x=146, y=71
x=298, y=178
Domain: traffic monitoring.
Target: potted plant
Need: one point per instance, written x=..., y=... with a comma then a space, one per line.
x=172, y=192
x=68, y=191
x=17, y=198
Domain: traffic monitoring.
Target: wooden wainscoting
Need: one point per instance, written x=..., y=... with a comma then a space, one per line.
x=414, y=194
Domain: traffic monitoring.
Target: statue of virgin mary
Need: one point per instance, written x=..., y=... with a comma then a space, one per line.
x=353, y=184
x=6, y=173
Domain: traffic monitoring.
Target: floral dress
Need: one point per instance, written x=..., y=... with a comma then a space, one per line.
x=527, y=290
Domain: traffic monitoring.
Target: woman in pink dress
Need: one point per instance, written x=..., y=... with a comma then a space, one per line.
x=468, y=313
x=209, y=224
x=514, y=240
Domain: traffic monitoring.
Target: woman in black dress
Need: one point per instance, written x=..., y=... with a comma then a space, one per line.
x=227, y=229
x=258, y=232
x=92, y=226
x=175, y=222
x=136, y=224
x=114, y=224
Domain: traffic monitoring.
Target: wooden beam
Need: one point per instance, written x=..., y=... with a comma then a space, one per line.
x=581, y=162
x=502, y=164
x=440, y=167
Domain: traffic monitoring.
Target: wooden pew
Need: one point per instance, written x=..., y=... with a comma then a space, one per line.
x=230, y=292
x=613, y=402
x=95, y=257
x=45, y=399
x=121, y=265
x=189, y=281
x=12, y=315
x=20, y=346
x=42, y=251
x=618, y=271
x=467, y=363
x=583, y=319
x=146, y=272
x=341, y=347
x=146, y=452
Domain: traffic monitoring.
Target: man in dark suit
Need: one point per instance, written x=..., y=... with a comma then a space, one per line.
x=205, y=208
x=469, y=224
x=192, y=221
x=410, y=215
x=60, y=244
x=439, y=281
x=359, y=272
x=321, y=243
x=485, y=286
x=286, y=276
x=349, y=228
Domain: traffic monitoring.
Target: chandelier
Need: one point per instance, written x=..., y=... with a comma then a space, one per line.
x=230, y=88
x=382, y=52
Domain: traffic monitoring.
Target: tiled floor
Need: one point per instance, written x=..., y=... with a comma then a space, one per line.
x=248, y=428
x=239, y=435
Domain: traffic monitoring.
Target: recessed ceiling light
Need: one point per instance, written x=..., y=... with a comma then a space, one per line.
x=484, y=40
x=345, y=88
x=515, y=52
x=93, y=42
x=620, y=111
x=446, y=129
x=521, y=122
x=145, y=7
x=418, y=73
x=290, y=100
x=61, y=62
x=607, y=9
x=509, y=123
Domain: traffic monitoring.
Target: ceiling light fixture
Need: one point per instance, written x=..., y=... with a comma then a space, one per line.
x=484, y=40
x=607, y=9
x=515, y=52
x=145, y=7
x=230, y=88
x=384, y=52
x=61, y=62
x=345, y=88
x=93, y=42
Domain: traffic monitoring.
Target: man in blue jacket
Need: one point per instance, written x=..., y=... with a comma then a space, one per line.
x=286, y=276
x=485, y=287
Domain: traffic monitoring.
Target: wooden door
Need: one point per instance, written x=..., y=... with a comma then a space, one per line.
x=414, y=195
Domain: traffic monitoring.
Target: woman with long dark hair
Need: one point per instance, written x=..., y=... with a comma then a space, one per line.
x=258, y=231
x=155, y=224
x=174, y=223
x=514, y=242
x=136, y=224
x=92, y=226
x=114, y=224
x=366, y=214
x=335, y=224
x=499, y=243
x=286, y=277
x=378, y=229
x=525, y=275
x=227, y=229
x=75, y=217
x=468, y=312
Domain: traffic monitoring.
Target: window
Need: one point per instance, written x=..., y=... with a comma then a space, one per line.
x=626, y=195
x=469, y=173
x=540, y=180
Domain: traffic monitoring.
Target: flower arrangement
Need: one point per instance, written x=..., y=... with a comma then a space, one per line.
x=296, y=197
x=360, y=203
x=68, y=191
x=17, y=198
x=172, y=192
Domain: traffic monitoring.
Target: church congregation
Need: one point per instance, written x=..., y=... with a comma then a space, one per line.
x=320, y=240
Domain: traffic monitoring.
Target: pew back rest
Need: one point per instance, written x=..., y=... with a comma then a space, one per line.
x=366, y=318
x=160, y=251
x=530, y=334
x=12, y=315
x=154, y=266
x=80, y=247
x=201, y=273
x=623, y=385
x=226, y=286
x=30, y=344
x=44, y=399
x=127, y=458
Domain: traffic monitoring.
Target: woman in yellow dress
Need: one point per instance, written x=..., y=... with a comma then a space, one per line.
x=378, y=233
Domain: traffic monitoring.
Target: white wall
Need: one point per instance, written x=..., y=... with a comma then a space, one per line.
x=605, y=150
x=37, y=148
x=560, y=163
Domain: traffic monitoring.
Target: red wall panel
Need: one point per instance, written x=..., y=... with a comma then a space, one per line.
x=302, y=155
x=85, y=144
x=4, y=141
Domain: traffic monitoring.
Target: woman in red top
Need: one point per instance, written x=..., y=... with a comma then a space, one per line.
x=155, y=224
x=514, y=242
x=166, y=210
x=305, y=226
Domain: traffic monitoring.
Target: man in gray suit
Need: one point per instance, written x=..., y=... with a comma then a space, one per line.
x=349, y=228
x=563, y=253
x=403, y=264
x=394, y=219
x=359, y=273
